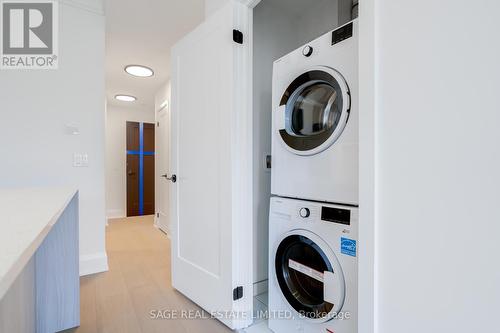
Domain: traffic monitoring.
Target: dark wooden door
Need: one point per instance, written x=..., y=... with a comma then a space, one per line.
x=133, y=168
x=140, y=169
x=149, y=169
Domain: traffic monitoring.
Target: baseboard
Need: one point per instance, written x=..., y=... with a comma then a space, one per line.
x=259, y=287
x=93, y=263
x=115, y=214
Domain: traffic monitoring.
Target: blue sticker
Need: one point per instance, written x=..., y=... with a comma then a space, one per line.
x=348, y=246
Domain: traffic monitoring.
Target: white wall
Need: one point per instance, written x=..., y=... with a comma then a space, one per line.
x=162, y=95
x=211, y=6
x=437, y=157
x=346, y=12
x=278, y=30
x=321, y=17
x=367, y=278
x=36, y=105
x=116, y=158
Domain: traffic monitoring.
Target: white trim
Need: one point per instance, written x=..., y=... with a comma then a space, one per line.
x=93, y=263
x=250, y=3
x=115, y=214
x=260, y=287
x=368, y=169
x=164, y=229
x=242, y=170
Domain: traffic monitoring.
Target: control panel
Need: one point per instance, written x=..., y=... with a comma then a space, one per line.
x=336, y=215
x=342, y=33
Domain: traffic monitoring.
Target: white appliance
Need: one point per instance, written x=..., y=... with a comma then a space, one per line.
x=315, y=120
x=313, y=267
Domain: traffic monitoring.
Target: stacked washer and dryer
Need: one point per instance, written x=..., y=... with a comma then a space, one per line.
x=313, y=223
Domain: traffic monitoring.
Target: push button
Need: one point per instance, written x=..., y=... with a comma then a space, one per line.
x=304, y=212
x=307, y=51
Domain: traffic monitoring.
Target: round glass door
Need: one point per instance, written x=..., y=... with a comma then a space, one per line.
x=300, y=264
x=317, y=106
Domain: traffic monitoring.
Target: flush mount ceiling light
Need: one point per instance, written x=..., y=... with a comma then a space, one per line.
x=139, y=71
x=125, y=98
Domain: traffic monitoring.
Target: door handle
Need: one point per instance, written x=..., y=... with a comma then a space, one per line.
x=173, y=179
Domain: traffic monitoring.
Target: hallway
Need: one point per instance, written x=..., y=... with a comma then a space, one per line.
x=138, y=282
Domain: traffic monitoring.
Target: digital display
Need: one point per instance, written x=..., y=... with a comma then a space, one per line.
x=336, y=215
x=342, y=33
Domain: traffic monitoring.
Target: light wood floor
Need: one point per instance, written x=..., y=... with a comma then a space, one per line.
x=138, y=282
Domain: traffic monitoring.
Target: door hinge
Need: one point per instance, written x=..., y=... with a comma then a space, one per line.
x=237, y=36
x=237, y=293
x=158, y=215
x=158, y=124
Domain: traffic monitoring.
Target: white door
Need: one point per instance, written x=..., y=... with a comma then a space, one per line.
x=211, y=158
x=163, y=156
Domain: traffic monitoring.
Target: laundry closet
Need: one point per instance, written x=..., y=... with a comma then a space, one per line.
x=280, y=27
x=224, y=156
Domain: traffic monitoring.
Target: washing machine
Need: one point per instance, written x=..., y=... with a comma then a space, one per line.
x=313, y=267
x=315, y=120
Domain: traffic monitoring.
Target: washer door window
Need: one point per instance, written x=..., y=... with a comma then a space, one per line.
x=314, y=111
x=309, y=276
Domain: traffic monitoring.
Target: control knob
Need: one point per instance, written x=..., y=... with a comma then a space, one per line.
x=307, y=51
x=304, y=212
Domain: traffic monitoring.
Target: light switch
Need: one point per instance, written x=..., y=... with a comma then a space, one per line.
x=85, y=160
x=80, y=160
x=72, y=129
x=77, y=160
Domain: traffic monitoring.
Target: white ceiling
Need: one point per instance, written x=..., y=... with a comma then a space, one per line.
x=142, y=32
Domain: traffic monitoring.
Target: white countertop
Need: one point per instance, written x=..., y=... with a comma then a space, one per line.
x=26, y=217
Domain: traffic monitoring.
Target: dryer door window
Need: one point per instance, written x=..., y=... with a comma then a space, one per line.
x=301, y=265
x=314, y=109
x=317, y=106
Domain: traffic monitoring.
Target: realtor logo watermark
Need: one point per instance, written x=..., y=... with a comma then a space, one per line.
x=29, y=35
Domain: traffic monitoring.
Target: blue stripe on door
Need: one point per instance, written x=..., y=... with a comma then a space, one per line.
x=141, y=168
x=141, y=154
x=136, y=152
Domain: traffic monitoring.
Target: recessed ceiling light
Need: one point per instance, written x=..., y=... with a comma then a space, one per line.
x=125, y=98
x=138, y=70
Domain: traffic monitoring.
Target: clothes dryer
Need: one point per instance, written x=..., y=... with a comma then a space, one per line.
x=315, y=120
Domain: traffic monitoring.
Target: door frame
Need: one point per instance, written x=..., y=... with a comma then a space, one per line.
x=164, y=109
x=243, y=168
x=368, y=170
